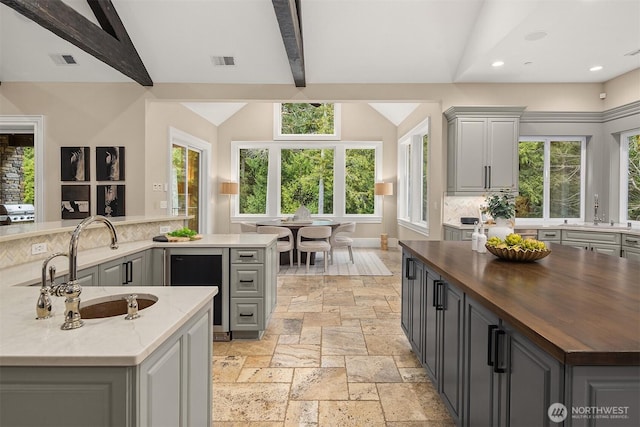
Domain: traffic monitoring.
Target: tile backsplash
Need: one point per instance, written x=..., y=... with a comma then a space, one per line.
x=457, y=206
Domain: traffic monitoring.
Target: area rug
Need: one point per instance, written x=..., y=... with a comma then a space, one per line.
x=366, y=263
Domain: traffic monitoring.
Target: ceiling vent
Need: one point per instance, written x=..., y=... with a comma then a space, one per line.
x=222, y=61
x=63, y=59
x=632, y=53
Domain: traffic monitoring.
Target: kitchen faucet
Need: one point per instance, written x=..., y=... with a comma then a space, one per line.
x=596, y=219
x=71, y=289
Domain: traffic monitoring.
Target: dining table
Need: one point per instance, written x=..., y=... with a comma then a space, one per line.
x=294, y=225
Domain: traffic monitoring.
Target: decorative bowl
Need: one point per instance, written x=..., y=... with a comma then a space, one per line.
x=522, y=255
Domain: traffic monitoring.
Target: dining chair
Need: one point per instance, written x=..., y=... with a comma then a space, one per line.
x=248, y=227
x=282, y=245
x=319, y=242
x=338, y=238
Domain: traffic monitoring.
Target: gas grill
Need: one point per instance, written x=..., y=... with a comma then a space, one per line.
x=11, y=214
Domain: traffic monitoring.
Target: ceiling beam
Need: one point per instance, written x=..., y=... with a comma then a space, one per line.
x=288, y=14
x=110, y=44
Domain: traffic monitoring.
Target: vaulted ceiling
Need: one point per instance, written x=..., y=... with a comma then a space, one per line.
x=305, y=42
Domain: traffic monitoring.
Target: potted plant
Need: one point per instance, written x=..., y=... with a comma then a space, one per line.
x=502, y=207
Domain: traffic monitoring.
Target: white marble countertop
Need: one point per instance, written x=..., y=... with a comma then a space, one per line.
x=25, y=341
x=29, y=273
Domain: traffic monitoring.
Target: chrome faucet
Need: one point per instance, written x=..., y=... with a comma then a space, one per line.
x=596, y=219
x=71, y=289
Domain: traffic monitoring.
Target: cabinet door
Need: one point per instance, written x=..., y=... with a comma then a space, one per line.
x=452, y=304
x=417, y=310
x=136, y=269
x=405, y=311
x=502, y=153
x=112, y=273
x=631, y=254
x=479, y=400
x=606, y=249
x=470, y=161
x=533, y=382
x=198, y=372
x=161, y=388
x=88, y=276
x=431, y=322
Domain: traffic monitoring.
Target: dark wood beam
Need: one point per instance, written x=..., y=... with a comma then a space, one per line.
x=110, y=44
x=288, y=14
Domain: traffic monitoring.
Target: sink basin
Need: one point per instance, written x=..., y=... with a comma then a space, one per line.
x=113, y=305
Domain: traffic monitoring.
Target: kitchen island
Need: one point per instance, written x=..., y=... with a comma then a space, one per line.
x=153, y=370
x=504, y=341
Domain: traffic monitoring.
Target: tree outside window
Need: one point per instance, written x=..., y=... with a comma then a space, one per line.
x=254, y=176
x=630, y=182
x=360, y=175
x=306, y=180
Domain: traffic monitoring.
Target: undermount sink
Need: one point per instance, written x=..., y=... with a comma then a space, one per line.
x=113, y=305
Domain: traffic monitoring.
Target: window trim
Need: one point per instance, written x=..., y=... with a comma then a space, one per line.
x=279, y=136
x=624, y=170
x=413, y=220
x=274, y=177
x=546, y=176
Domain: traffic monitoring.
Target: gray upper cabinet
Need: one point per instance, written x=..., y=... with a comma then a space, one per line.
x=482, y=149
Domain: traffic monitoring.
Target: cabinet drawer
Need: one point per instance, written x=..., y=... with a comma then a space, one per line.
x=591, y=236
x=631, y=240
x=247, y=281
x=254, y=256
x=549, y=235
x=247, y=314
x=466, y=234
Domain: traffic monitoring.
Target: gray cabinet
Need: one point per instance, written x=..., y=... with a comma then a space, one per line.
x=607, y=243
x=482, y=149
x=171, y=387
x=131, y=270
x=631, y=247
x=452, y=233
x=88, y=276
x=549, y=235
x=432, y=313
x=508, y=380
x=252, y=285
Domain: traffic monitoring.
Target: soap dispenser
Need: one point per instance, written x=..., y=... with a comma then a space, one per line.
x=482, y=241
x=474, y=237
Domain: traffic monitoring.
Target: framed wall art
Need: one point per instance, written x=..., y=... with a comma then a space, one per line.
x=76, y=201
x=110, y=163
x=110, y=200
x=74, y=163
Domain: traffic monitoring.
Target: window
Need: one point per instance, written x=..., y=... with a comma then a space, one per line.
x=413, y=178
x=188, y=164
x=551, y=178
x=630, y=176
x=306, y=121
x=330, y=179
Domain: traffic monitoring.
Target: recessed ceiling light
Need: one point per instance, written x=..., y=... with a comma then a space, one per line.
x=497, y=64
x=536, y=35
x=596, y=68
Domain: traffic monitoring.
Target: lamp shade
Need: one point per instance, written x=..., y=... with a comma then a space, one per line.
x=229, y=188
x=383, y=189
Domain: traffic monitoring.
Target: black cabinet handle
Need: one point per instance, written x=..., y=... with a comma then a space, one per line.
x=246, y=281
x=409, y=263
x=496, y=367
x=484, y=177
x=246, y=255
x=246, y=315
x=435, y=293
x=125, y=273
x=439, y=295
x=489, y=176
x=129, y=271
x=490, y=330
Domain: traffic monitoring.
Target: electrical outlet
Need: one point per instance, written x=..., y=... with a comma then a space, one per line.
x=165, y=229
x=157, y=187
x=38, y=248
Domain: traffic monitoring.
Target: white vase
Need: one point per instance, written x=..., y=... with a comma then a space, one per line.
x=501, y=229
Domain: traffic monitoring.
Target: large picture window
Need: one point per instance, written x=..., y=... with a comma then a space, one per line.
x=630, y=176
x=330, y=179
x=551, y=178
x=413, y=178
x=306, y=121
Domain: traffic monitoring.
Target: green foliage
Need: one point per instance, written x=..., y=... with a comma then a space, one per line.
x=254, y=169
x=425, y=176
x=531, y=183
x=307, y=119
x=360, y=181
x=29, y=173
x=306, y=180
x=501, y=204
x=633, y=186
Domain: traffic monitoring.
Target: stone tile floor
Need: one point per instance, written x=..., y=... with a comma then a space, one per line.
x=333, y=354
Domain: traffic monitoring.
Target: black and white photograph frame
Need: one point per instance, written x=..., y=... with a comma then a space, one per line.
x=74, y=163
x=110, y=163
x=110, y=200
x=75, y=201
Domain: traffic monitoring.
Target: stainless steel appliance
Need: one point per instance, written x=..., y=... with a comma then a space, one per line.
x=13, y=213
x=203, y=267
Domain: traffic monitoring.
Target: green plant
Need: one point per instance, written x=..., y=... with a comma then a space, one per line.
x=501, y=204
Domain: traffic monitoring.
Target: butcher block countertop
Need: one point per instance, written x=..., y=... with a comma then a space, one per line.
x=581, y=307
